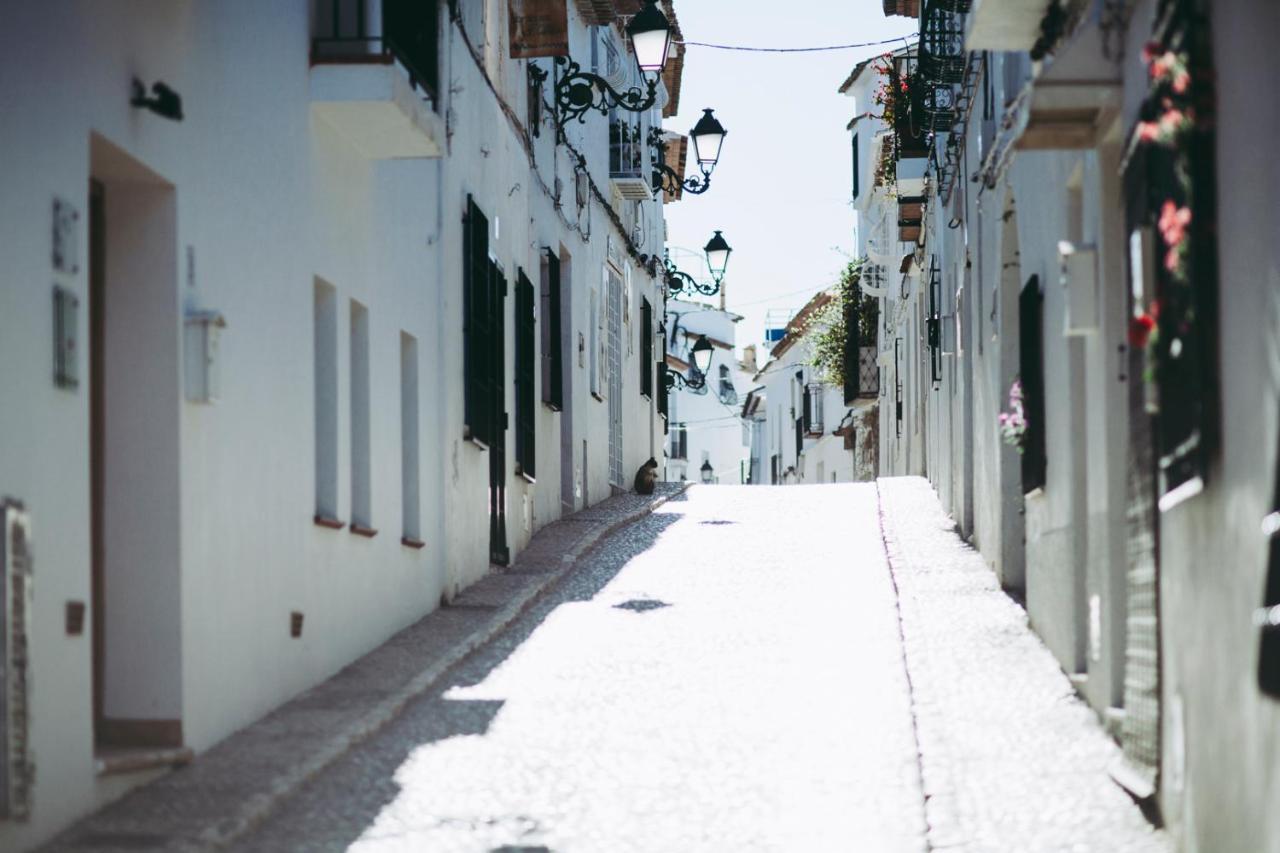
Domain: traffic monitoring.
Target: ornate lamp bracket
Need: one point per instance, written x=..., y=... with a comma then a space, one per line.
x=578, y=92
x=678, y=281
x=665, y=178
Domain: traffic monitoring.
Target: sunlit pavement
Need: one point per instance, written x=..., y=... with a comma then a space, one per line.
x=728, y=674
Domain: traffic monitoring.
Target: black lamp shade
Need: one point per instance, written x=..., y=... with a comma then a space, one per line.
x=701, y=354
x=717, y=255
x=708, y=473
x=708, y=136
x=650, y=34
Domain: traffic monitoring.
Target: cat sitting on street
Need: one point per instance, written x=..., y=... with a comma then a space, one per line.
x=646, y=476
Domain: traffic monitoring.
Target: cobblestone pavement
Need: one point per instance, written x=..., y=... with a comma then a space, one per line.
x=231, y=787
x=1012, y=759
x=728, y=673
x=725, y=674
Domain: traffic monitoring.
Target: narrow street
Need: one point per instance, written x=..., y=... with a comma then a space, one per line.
x=728, y=673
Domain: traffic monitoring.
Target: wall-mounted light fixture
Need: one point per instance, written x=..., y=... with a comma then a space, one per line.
x=163, y=101
x=708, y=137
x=577, y=92
x=708, y=473
x=700, y=355
x=717, y=256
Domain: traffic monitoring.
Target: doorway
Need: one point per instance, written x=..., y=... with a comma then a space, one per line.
x=134, y=409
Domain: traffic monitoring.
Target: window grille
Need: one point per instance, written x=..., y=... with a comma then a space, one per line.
x=524, y=379
x=553, y=343
x=813, y=394
x=1031, y=371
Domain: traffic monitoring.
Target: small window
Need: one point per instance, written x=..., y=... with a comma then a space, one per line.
x=412, y=524
x=361, y=469
x=326, y=400
x=856, y=176
x=679, y=442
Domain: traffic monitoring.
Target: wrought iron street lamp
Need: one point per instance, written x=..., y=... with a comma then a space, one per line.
x=708, y=137
x=681, y=282
x=578, y=92
x=701, y=354
x=708, y=473
x=700, y=358
x=717, y=256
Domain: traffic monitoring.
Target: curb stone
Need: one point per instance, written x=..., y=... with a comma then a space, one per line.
x=132, y=817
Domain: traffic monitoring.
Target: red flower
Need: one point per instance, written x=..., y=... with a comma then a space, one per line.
x=1140, y=328
x=1148, y=131
x=1150, y=50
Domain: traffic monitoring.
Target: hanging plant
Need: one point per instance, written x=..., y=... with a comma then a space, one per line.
x=1175, y=322
x=892, y=96
x=1013, y=423
x=1170, y=120
x=828, y=333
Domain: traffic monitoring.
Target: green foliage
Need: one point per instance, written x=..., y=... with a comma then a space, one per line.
x=827, y=331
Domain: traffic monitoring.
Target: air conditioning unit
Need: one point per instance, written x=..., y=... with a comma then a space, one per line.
x=1079, y=268
x=17, y=770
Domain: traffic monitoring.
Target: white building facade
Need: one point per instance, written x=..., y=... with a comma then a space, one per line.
x=1091, y=228
x=705, y=428
x=324, y=349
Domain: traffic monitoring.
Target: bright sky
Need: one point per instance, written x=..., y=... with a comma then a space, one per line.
x=781, y=190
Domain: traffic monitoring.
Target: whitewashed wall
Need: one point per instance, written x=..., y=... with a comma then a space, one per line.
x=261, y=198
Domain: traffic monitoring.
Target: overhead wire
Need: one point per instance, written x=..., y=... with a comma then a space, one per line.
x=748, y=49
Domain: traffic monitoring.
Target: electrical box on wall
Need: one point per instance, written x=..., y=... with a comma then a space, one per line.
x=201, y=360
x=1079, y=267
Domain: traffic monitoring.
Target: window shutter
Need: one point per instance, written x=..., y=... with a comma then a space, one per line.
x=524, y=380
x=475, y=272
x=552, y=345
x=646, y=348
x=1031, y=366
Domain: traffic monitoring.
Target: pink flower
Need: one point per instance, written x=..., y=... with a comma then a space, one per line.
x=1173, y=223
x=1181, y=82
x=1172, y=120
x=1148, y=131
x=1173, y=260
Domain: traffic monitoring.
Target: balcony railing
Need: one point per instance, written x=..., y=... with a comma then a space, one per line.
x=381, y=31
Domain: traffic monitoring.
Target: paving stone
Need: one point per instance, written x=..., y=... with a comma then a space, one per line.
x=1012, y=759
